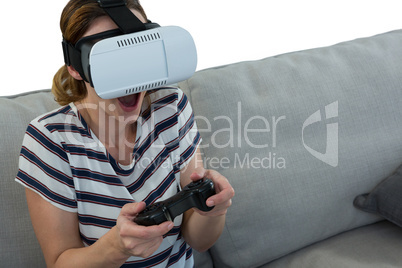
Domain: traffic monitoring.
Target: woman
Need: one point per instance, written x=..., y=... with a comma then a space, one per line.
x=90, y=167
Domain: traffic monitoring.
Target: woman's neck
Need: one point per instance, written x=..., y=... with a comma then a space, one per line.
x=116, y=135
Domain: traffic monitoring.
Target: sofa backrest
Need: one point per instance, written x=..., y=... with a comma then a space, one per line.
x=18, y=244
x=299, y=136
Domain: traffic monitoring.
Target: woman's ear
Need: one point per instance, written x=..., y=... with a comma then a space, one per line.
x=74, y=73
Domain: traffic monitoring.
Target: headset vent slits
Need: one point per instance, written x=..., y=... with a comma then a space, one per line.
x=138, y=40
x=145, y=87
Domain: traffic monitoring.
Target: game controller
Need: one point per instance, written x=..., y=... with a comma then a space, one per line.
x=194, y=194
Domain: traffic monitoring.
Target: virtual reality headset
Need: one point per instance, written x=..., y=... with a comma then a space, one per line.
x=133, y=58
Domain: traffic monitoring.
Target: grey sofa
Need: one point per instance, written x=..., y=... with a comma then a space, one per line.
x=299, y=136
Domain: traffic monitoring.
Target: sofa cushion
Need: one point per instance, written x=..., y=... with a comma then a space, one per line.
x=19, y=247
x=373, y=246
x=385, y=199
x=299, y=136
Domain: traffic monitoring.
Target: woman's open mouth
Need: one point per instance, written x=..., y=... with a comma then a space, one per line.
x=129, y=103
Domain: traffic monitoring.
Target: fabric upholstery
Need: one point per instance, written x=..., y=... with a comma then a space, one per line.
x=372, y=246
x=19, y=247
x=299, y=135
x=385, y=199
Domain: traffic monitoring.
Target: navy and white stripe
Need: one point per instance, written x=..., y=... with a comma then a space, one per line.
x=63, y=161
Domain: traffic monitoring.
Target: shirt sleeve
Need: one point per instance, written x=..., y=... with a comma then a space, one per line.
x=45, y=169
x=188, y=133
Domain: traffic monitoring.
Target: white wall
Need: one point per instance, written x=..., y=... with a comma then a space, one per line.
x=225, y=31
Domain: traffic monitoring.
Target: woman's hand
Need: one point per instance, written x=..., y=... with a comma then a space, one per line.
x=137, y=240
x=222, y=200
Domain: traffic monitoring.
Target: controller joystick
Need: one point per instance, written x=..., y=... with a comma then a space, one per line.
x=194, y=194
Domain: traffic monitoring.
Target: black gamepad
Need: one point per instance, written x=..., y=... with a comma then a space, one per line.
x=194, y=194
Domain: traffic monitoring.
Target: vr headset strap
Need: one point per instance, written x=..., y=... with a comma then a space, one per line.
x=122, y=15
x=72, y=56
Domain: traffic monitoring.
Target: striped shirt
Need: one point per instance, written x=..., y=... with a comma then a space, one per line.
x=63, y=161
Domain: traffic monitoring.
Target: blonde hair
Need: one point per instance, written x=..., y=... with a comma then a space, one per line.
x=76, y=18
